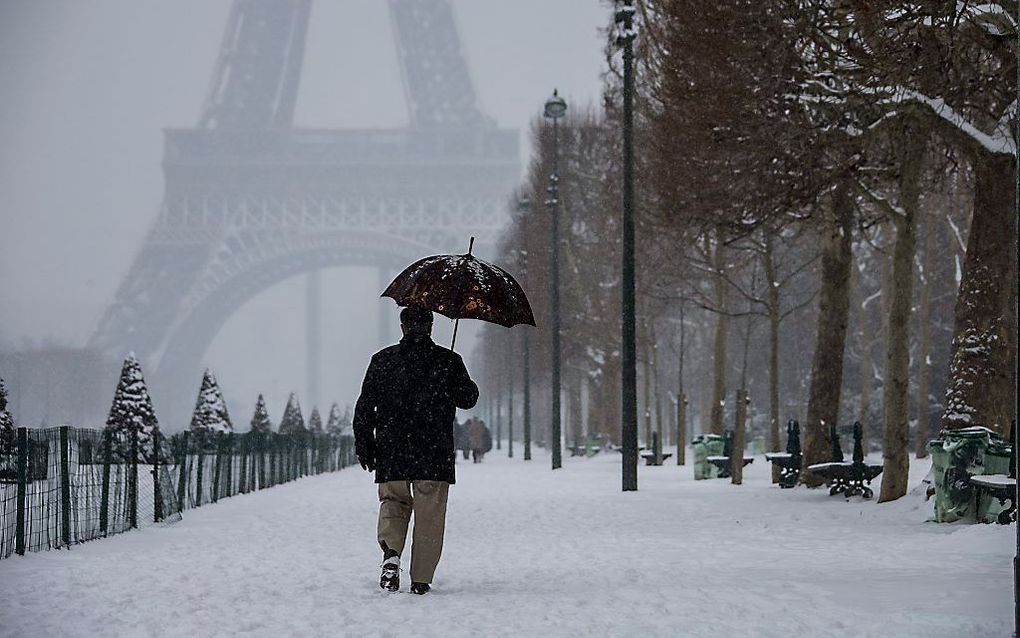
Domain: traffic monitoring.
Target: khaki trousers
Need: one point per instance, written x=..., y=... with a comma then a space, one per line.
x=427, y=501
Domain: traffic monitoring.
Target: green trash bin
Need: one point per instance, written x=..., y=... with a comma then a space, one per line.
x=996, y=462
x=706, y=445
x=956, y=456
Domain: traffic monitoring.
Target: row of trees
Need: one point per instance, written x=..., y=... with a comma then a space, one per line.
x=826, y=219
x=132, y=411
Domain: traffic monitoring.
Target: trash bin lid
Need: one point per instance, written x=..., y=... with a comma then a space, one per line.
x=703, y=438
x=972, y=432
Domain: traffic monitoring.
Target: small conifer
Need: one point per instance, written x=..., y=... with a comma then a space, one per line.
x=131, y=411
x=260, y=420
x=210, y=413
x=292, y=422
x=315, y=422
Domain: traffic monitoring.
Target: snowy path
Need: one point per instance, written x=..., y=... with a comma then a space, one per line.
x=532, y=552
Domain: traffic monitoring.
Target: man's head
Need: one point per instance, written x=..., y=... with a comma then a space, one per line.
x=416, y=320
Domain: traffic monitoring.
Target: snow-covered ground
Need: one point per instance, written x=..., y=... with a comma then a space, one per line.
x=535, y=553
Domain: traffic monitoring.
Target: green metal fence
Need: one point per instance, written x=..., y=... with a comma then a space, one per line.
x=62, y=486
x=210, y=466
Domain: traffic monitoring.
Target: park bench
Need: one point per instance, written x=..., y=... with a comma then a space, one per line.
x=998, y=486
x=788, y=461
x=590, y=446
x=848, y=477
x=723, y=461
x=649, y=455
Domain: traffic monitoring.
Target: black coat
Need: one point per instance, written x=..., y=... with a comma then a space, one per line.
x=404, y=418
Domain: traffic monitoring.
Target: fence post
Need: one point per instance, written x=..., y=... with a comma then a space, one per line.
x=258, y=478
x=133, y=480
x=215, y=494
x=288, y=451
x=253, y=449
x=310, y=454
x=276, y=459
x=271, y=453
x=200, y=448
x=157, y=494
x=284, y=445
x=19, y=532
x=65, y=485
x=295, y=465
x=302, y=446
x=182, y=471
x=242, y=472
x=104, y=501
x=316, y=445
x=229, y=442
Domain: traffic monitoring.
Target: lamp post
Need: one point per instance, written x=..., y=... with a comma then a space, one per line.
x=524, y=208
x=510, y=393
x=628, y=352
x=555, y=108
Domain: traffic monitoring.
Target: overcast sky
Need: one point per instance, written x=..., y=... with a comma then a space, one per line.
x=88, y=86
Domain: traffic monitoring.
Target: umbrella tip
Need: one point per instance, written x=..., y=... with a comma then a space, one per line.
x=471, y=245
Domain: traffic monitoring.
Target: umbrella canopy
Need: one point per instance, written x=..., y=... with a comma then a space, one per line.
x=462, y=287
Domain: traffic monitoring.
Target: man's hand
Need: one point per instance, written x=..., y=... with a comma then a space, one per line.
x=367, y=463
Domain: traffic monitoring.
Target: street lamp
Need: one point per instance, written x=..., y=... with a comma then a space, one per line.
x=524, y=208
x=628, y=351
x=555, y=108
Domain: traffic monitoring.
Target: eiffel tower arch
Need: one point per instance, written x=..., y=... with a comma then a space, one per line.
x=250, y=200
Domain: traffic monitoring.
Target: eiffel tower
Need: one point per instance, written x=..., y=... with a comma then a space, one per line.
x=250, y=200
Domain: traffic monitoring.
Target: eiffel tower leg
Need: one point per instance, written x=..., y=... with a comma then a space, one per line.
x=313, y=336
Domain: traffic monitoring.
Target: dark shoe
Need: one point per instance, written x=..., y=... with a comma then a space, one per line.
x=390, y=577
x=420, y=588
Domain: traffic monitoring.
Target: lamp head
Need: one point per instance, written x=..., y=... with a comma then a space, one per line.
x=555, y=107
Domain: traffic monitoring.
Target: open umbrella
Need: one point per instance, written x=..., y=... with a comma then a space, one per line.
x=462, y=287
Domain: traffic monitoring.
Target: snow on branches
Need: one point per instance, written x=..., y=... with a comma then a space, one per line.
x=260, y=420
x=210, y=413
x=292, y=422
x=131, y=414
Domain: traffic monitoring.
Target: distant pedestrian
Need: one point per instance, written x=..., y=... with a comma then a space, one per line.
x=403, y=430
x=479, y=438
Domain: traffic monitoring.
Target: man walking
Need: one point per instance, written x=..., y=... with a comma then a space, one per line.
x=403, y=430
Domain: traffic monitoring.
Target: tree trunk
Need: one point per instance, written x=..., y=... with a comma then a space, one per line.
x=739, y=439
x=681, y=398
x=681, y=428
x=885, y=312
x=864, y=327
x=896, y=389
x=923, y=431
x=722, y=327
x=646, y=379
x=656, y=394
x=609, y=400
x=774, y=319
x=830, y=342
x=574, y=405
x=982, y=374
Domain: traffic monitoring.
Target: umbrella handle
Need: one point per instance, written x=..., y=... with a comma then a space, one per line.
x=456, y=324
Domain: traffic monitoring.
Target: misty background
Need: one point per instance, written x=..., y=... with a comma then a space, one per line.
x=87, y=90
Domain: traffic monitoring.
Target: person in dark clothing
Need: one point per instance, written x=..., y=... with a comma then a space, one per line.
x=460, y=441
x=403, y=431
